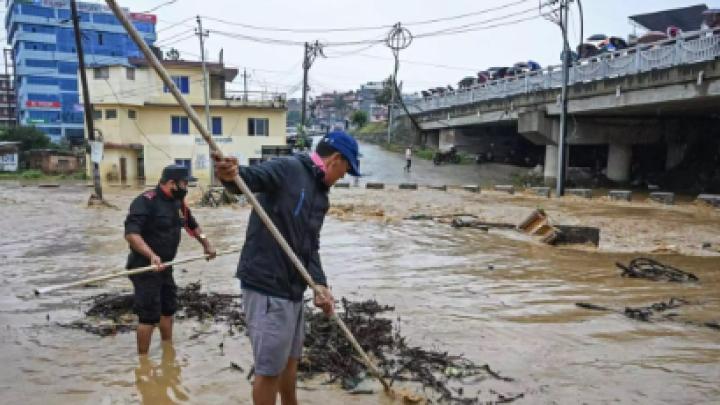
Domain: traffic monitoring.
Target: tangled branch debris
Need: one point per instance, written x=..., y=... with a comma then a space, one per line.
x=443, y=377
x=652, y=312
x=650, y=269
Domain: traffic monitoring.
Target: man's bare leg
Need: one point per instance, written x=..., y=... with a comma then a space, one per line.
x=288, y=381
x=144, y=335
x=166, y=325
x=265, y=390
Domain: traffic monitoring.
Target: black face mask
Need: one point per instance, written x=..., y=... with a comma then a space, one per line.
x=179, y=193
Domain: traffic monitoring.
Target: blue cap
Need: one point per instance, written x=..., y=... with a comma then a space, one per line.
x=347, y=146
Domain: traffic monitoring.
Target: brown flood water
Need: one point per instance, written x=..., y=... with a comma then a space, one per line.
x=498, y=300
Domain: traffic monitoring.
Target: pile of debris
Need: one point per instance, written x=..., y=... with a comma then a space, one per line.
x=443, y=377
x=112, y=313
x=217, y=196
x=653, y=312
x=650, y=269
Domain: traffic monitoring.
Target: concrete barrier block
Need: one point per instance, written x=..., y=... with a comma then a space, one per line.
x=620, y=195
x=505, y=188
x=408, y=186
x=579, y=192
x=440, y=188
x=712, y=199
x=541, y=191
x=471, y=188
x=375, y=186
x=342, y=185
x=663, y=197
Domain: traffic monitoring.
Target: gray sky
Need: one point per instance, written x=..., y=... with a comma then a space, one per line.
x=277, y=67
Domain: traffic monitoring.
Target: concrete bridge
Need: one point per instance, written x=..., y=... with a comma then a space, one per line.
x=651, y=93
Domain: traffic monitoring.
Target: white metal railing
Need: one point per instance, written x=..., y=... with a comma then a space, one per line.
x=688, y=48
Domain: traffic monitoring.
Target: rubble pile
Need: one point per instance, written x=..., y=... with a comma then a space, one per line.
x=442, y=376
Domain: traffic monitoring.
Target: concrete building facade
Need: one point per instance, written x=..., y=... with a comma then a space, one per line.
x=41, y=35
x=144, y=129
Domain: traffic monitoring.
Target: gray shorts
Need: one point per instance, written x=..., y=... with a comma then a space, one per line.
x=276, y=328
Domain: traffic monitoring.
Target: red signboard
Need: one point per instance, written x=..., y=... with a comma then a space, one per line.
x=151, y=18
x=42, y=104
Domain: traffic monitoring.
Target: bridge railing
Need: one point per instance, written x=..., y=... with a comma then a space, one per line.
x=688, y=48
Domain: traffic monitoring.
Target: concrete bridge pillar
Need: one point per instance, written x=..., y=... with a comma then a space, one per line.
x=551, y=165
x=619, y=161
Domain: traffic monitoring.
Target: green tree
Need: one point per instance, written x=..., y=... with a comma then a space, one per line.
x=385, y=96
x=359, y=118
x=172, y=54
x=29, y=138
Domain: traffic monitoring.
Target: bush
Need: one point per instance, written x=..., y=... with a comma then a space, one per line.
x=425, y=154
x=31, y=174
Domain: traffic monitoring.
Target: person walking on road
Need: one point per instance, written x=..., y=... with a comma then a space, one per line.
x=408, y=158
x=294, y=192
x=152, y=230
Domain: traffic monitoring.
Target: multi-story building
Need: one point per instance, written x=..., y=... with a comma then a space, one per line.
x=144, y=128
x=42, y=39
x=366, y=99
x=7, y=101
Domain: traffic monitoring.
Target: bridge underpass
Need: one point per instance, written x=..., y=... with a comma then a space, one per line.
x=661, y=110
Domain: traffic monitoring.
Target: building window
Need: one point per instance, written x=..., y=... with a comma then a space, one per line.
x=130, y=73
x=110, y=114
x=100, y=38
x=187, y=163
x=97, y=114
x=101, y=73
x=179, y=125
x=132, y=114
x=182, y=83
x=217, y=125
x=258, y=126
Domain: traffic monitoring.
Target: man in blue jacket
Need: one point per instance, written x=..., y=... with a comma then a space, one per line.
x=294, y=192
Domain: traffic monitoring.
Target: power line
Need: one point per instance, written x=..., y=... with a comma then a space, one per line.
x=174, y=24
x=474, y=26
x=365, y=28
x=161, y=5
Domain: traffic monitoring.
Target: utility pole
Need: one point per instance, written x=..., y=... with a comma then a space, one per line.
x=562, y=141
x=397, y=39
x=245, y=90
x=311, y=52
x=89, y=119
x=206, y=88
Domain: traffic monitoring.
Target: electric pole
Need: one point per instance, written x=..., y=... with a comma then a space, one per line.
x=245, y=90
x=397, y=39
x=206, y=89
x=311, y=52
x=562, y=141
x=89, y=119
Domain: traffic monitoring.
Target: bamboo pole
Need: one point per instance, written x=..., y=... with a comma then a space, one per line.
x=160, y=70
x=124, y=273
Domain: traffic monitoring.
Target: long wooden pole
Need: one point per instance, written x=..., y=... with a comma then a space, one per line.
x=160, y=70
x=125, y=273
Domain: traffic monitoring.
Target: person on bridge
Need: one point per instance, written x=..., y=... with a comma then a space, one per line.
x=408, y=158
x=152, y=229
x=294, y=193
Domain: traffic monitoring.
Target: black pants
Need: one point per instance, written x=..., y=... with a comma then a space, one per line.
x=407, y=165
x=155, y=295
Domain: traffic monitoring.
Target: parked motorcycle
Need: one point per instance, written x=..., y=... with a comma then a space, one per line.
x=451, y=156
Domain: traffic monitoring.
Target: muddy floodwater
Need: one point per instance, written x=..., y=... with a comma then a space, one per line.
x=497, y=298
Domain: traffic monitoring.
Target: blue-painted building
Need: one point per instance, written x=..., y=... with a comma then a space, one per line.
x=46, y=69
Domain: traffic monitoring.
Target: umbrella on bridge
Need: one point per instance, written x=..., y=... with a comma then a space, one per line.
x=652, y=36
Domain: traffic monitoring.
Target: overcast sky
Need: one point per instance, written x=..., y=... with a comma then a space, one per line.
x=278, y=67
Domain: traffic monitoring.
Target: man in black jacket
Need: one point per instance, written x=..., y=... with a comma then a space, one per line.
x=294, y=192
x=152, y=230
